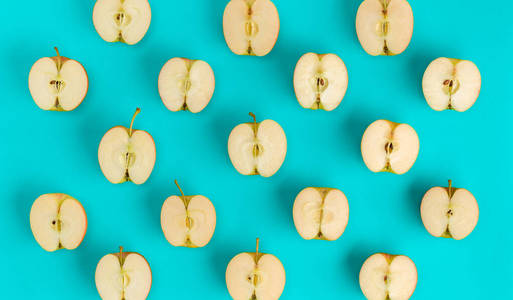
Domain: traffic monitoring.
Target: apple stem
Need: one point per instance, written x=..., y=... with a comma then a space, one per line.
x=176, y=182
x=137, y=111
x=254, y=117
x=450, y=188
x=257, y=241
x=58, y=58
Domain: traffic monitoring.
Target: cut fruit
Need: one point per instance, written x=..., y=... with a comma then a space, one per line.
x=58, y=83
x=126, y=154
x=124, y=21
x=257, y=148
x=188, y=221
x=186, y=84
x=388, y=277
x=389, y=147
x=255, y=276
x=384, y=27
x=58, y=221
x=320, y=81
x=251, y=27
x=449, y=212
x=320, y=213
x=123, y=275
x=450, y=83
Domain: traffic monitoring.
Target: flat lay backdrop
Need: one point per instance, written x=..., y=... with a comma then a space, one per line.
x=45, y=152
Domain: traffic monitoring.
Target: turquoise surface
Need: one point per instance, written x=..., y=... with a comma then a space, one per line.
x=45, y=152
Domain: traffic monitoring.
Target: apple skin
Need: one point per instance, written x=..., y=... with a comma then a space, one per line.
x=63, y=60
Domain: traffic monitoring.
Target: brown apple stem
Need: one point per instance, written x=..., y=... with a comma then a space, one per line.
x=176, y=182
x=58, y=59
x=450, y=188
x=254, y=118
x=137, y=111
x=256, y=253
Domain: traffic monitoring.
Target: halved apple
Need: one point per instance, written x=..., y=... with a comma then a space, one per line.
x=58, y=83
x=186, y=84
x=257, y=148
x=251, y=27
x=450, y=83
x=123, y=275
x=384, y=27
x=389, y=147
x=449, y=212
x=320, y=81
x=320, y=213
x=124, y=21
x=388, y=277
x=255, y=276
x=126, y=154
x=58, y=221
x=188, y=221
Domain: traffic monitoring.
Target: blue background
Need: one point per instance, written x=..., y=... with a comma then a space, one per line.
x=45, y=152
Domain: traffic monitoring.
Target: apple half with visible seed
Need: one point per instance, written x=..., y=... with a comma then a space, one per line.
x=255, y=276
x=388, y=277
x=390, y=147
x=188, y=221
x=320, y=213
x=186, y=84
x=58, y=221
x=384, y=27
x=251, y=27
x=320, y=81
x=58, y=83
x=257, y=148
x=449, y=212
x=127, y=154
x=450, y=83
x=125, y=21
x=123, y=275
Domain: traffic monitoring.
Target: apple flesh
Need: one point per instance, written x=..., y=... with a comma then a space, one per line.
x=384, y=27
x=449, y=212
x=188, y=221
x=123, y=275
x=255, y=276
x=58, y=221
x=389, y=147
x=257, y=148
x=388, y=277
x=320, y=81
x=186, y=84
x=124, y=21
x=251, y=27
x=450, y=83
x=320, y=213
x=126, y=154
x=58, y=83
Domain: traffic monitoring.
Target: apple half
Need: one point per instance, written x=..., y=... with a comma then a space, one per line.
x=58, y=83
x=125, y=21
x=389, y=147
x=186, y=84
x=320, y=81
x=384, y=27
x=450, y=83
x=188, y=221
x=123, y=275
x=320, y=213
x=127, y=154
x=257, y=148
x=388, y=277
x=251, y=27
x=449, y=212
x=255, y=276
x=58, y=221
